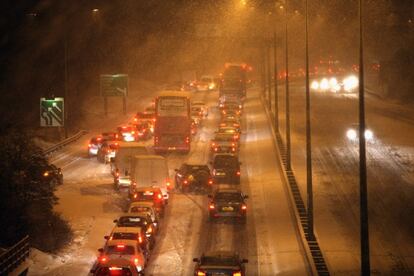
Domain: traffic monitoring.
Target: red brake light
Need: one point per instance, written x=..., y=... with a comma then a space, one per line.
x=136, y=261
x=159, y=196
x=120, y=246
x=244, y=207
x=135, y=119
x=238, y=273
x=140, y=238
x=103, y=259
x=89, y=145
x=135, y=195
x=201, y=273
x=210, y=182
x=211, y=206
x=238, y=172
x=185, y=182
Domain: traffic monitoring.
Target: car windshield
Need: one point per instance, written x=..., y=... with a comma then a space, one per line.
x=131, y=221
x=219, y=260
x=120, y=250
x=114, y=271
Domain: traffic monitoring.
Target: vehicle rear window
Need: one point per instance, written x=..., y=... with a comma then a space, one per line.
x=226, y=162
x=124, y=236
x=222, y=260
x=120, y=250
x=138, y=209
x=131, y=221
x=228, y=196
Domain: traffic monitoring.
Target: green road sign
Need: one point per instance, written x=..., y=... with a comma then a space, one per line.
x=114, y=85
x=51, y=112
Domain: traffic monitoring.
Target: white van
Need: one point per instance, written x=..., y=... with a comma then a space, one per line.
x=120, y=167
x=148, y=171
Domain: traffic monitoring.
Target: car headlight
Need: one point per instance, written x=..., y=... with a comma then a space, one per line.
x=369, y=135
x=315, y=85
x=324, y=85
x=351, y=134
x=139, y=268
x=350, y=83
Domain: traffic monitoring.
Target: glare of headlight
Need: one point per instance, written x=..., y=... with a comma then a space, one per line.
x=333, y=82
x=350, y=83
x=315, y=85
x=351, y=134
x=369, y=135
x=324, y=84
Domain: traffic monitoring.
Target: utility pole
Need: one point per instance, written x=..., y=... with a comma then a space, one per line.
x=288, y=153
x=363, y=193
x=309, y=185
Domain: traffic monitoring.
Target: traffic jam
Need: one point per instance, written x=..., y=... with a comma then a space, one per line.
x=137, y=154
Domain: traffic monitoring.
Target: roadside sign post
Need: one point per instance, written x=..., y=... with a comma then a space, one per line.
x=52, y=112
x=114, y=86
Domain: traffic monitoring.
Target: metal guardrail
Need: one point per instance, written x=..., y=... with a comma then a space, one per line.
x=65, y=142
x=14, y=256
x=312, y=249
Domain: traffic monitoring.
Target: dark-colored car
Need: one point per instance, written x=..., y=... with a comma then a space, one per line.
x=226, y=168
x=223, y=263
x=54, y=175
x=227, y=202
x=193, y=177
x=139, y=220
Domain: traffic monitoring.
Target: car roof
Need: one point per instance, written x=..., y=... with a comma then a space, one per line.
x=118, y=229
x=142, y=203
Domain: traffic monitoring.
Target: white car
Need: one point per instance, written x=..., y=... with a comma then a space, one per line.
x=206, y=83
x=139, y=207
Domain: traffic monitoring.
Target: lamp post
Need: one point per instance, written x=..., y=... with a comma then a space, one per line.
x=363, y=193
x=309, y=185
x=288, y=146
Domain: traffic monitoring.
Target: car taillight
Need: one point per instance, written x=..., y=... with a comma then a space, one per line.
x=136, y=261
x=135, y=120
x=185, y=182
x=187, y=140
x=120, y=246
x=89, y=145
x=149, y=230
x=117, y=174
x=140, y=239
x=213, y=144
x=135, y=195
x=244, y=207
x=238, y=273
x=211, y=206
x=210, y=182
x=102, y=259
x=201, y=273
x=238, y=172
x=233, y=149
x=233, y=144
x=159, y=196
x=215, y=149
x=168, y=184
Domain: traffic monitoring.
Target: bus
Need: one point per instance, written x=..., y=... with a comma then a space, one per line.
x=172, y=131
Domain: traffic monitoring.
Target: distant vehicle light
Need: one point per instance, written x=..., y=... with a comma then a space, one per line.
x=350, y=83
x=369, y=135
x=324, y=85
x=315, y=85
x=351, y=134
